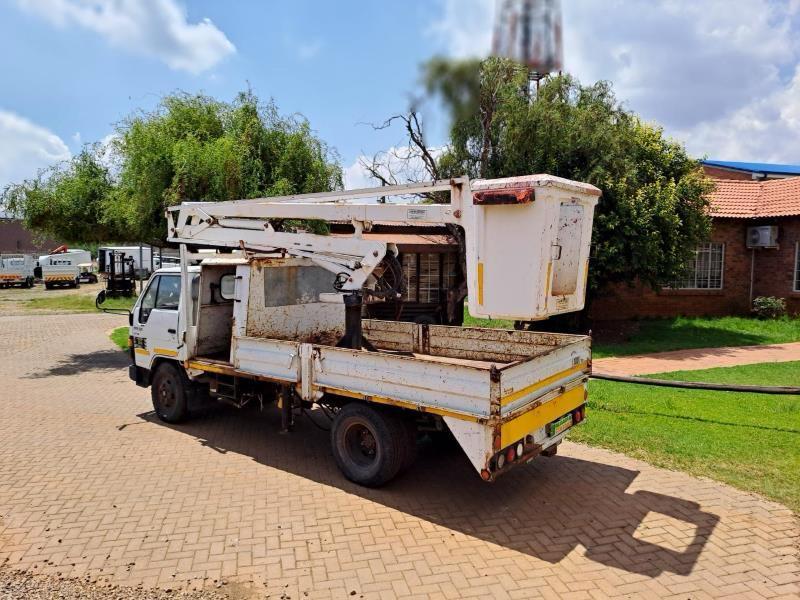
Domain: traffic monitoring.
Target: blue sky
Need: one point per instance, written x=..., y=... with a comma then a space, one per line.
x=725, y=81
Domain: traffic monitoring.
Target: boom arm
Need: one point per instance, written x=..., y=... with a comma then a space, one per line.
x=526, y=238
x=246, y=224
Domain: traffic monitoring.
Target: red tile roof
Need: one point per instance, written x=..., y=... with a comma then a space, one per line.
x=739, y=199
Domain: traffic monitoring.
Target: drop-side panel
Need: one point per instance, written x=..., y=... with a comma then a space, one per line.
x=427, y=383
x=268, y=358
x=523, y=383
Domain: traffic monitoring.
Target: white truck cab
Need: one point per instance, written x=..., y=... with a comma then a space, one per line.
x=155, y=318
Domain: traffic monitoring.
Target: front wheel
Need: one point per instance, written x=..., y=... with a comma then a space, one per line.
x=168, y=392
x=370, y=445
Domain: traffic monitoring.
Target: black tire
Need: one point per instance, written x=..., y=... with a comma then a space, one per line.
x=29, y=282
x=370, y=445
x=168, y=392
x=48, y=285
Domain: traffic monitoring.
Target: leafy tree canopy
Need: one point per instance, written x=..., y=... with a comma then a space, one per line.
x=191, y=147
x=652, y=213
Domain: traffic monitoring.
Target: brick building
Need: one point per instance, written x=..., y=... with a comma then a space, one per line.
x=733, y=267
x=15, y=238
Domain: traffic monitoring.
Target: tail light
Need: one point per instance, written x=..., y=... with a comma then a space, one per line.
x=511, y=454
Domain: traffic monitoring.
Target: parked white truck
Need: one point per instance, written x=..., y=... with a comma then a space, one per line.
x=279, y=319
x=62, y=267
x=17, y=269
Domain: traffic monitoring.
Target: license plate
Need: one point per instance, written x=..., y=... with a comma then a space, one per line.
x=559, y=425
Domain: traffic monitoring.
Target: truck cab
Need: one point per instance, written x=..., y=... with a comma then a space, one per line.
x=155, y=321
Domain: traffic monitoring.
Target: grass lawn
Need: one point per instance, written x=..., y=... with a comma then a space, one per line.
x=658, y=335
x=679, y=333
x=77, y=303
x=470, y=321
x=120, y=337
x=751, y=441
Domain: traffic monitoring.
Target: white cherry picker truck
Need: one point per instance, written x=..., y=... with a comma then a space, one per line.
x=254, y=314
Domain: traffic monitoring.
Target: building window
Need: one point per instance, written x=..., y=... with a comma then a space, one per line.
x=410, y=277
x=797, y=267
x=450, y=271
x=428, y=276
x=705, y=269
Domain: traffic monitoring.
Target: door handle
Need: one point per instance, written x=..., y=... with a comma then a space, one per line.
x=171, y=331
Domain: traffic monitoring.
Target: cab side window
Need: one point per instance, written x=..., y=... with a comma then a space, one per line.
x=169, y=292
x=149, y=300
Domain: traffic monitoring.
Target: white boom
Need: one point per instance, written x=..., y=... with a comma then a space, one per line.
x=527, y=238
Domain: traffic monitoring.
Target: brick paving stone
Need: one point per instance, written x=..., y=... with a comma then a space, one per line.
x=92, y=485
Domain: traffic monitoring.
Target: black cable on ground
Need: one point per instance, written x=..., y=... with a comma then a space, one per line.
x=699, y=385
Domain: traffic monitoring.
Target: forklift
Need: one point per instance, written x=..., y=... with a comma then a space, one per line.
x=121, y=279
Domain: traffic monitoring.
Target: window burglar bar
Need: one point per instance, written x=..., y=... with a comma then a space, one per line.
x=704, y=270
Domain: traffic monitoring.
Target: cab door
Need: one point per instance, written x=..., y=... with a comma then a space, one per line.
x=155, y=320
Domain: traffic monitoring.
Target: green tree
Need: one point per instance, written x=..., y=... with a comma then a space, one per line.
x=190, y=147
x=68, y=201
x=652, y=213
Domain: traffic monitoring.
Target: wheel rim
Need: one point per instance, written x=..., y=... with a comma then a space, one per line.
x=166, y=394
x=361, y=445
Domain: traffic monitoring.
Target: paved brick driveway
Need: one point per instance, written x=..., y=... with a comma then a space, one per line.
x=91, y=485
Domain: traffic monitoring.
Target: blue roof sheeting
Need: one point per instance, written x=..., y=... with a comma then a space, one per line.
x=755, y=167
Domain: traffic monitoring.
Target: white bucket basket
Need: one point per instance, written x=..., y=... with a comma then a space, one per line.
x=528, y=257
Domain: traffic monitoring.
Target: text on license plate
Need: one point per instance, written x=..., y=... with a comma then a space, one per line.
x=559, y=425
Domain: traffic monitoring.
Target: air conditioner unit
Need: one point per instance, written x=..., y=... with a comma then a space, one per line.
x=765, y=236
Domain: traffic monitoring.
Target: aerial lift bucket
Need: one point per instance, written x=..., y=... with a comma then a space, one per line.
x=528, y=252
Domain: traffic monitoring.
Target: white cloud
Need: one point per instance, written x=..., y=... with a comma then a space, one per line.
x=465, y=27
x=357, y=177
x=718, y=75
x=766, y=129
x=26, y=147
x=157, y=28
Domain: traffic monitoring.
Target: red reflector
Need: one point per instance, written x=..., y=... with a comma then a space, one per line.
x=510, y=454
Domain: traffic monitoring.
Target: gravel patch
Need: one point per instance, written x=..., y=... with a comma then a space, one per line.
x=18, y=585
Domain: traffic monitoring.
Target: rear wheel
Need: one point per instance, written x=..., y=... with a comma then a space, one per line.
x=370, y=445
x=168, y=392
x=48, y=285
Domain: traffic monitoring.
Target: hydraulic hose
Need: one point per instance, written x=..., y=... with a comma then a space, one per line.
x=700, y=385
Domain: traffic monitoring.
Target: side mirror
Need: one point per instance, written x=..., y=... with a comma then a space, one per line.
x=130, y=318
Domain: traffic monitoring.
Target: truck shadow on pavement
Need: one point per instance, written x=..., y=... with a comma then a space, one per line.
x=545, y=509
x=78, y=364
